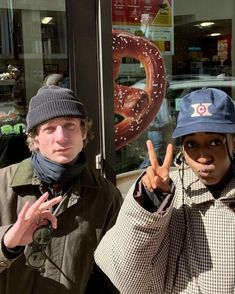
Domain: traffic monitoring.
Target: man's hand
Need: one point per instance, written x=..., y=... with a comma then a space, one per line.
x=29, y=219
x=156, y=176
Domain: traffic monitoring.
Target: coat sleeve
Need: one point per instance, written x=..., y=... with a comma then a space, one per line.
x=8, y=213
x=4, y=261
x=127, y=253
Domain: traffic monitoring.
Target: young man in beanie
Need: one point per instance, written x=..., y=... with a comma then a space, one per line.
x=175, y=232
x=48, y=241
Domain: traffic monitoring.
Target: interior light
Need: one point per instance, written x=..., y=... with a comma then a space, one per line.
x=215, y=34
x=206, y=24
x=46, y=20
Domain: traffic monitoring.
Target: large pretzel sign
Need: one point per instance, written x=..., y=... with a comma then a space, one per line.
x=137, y=107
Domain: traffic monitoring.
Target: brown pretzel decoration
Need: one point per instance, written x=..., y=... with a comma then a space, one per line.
x=137, y=107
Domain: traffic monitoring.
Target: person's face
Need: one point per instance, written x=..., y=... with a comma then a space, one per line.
x=207, y=155
x=60, y=139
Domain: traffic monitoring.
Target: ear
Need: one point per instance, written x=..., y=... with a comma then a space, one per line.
x=84, y=131
x=36, y=143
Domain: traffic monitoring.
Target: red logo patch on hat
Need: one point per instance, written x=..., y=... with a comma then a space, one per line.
x=201, y=109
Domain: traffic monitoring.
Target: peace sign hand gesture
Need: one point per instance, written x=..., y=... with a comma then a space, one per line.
x=29, y=219
x=157, y=176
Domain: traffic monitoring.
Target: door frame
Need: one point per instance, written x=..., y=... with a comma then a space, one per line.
x=90, y=63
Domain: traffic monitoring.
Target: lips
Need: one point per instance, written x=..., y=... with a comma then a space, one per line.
x=62, y=150
x=204, y=174
x=206, y=170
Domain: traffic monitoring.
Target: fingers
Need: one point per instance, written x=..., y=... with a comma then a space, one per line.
x=169, y=156
x=48, y=216
x=41, y=204
x=149, y=179
x=48, y=204
x=152, y=155
x=39, y=211
x=45, y=213
x=156, y=182
x=23, y=211
x=29, y=219
x=35, y=207
x=157, y=177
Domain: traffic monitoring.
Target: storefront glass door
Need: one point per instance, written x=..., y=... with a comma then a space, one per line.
x=33, y=52
x=33, y=45
x=162, y=50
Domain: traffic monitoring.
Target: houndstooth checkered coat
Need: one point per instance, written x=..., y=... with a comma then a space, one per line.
x=189, y=248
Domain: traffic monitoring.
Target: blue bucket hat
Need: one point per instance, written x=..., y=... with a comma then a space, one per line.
x=205, y=110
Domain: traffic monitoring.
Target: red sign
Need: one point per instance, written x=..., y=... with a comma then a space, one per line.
x=131, y=11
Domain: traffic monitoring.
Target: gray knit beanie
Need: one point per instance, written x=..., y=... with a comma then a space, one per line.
x=52, y=102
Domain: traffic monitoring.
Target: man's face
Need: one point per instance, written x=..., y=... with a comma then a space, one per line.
x=60, y=139
x=207, y=155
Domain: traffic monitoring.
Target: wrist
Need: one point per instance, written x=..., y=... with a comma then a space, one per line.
x=11, y=253
x=11, y=236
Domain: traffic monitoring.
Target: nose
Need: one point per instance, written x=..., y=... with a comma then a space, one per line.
x=61, y=134
x=204, y=156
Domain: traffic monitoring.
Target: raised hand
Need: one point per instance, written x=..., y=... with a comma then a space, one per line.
x=29, y=219
x=157, y=176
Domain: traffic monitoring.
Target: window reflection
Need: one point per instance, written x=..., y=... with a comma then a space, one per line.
x=33, y=45
x=196, y=52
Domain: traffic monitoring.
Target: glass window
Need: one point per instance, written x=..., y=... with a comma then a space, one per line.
x=195, y=42
x=33, y=45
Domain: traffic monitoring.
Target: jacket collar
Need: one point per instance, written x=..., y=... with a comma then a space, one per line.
x=197, y=193
x=24, y=176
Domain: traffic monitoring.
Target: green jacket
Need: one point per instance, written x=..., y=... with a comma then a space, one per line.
x=86, y=213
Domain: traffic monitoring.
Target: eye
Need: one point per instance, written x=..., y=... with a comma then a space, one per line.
x=49, y=129
x=70, y=126
x=216, y=142
x=190, y=145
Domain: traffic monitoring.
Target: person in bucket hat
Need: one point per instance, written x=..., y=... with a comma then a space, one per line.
x=54, y=207
x=175, y=232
